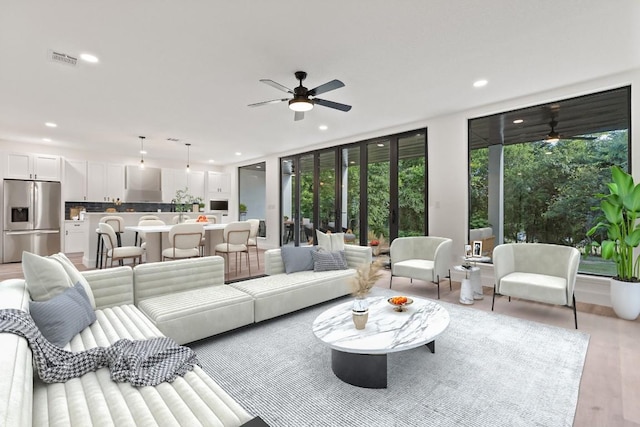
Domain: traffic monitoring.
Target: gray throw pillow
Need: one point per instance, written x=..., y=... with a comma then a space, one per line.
x=327, y=261
x=63, y=316
x=297, y=258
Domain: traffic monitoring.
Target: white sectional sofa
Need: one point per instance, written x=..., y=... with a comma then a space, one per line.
x=94, y=399
x=186, y=300
x=280, y=293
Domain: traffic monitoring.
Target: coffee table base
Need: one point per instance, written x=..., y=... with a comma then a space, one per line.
x=363, y=370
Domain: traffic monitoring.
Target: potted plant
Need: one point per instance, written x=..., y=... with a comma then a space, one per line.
x=366, y=276
x=620, y=211
x=183, y=201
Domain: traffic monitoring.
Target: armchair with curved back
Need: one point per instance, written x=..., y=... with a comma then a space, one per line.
x=425, y=258
x=537, y=272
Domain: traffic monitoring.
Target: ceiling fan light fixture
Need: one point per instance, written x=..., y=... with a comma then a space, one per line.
x=301, y=105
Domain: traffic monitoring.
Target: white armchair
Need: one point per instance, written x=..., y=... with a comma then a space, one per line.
x=422, y=257
x=538, y=272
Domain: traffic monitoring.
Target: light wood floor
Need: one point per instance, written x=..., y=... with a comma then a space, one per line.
x=610, y=387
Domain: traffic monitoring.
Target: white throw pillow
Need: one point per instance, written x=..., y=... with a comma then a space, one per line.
x=45, y=277
x=330, y=241
x=324, y=240
x=75, y=276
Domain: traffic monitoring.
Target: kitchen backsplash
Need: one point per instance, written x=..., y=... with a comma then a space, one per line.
x=124, y=207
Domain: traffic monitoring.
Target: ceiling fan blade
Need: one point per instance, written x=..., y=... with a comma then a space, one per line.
x=273, y=101
x=276, y=85
x=299, y=115
x=333, y=84
x=331, y=104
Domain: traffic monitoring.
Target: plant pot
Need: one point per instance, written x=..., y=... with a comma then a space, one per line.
x=625, y=299
x=360, y=318
x=360, y=312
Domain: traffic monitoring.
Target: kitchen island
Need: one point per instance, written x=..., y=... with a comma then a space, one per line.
x=128, y=237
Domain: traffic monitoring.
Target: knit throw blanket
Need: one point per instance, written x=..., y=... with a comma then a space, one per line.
x=141, y=362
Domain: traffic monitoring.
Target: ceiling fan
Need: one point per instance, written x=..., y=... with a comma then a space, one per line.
x=304, y=99
x=553, y=136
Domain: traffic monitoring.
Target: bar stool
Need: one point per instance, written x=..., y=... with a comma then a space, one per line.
x=144, y=218
x=117, y=223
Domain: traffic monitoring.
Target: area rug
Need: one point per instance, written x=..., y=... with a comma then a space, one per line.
x=488, y=370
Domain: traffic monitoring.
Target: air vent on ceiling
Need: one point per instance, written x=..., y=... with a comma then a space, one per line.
x=62, y=58
x=173, y=139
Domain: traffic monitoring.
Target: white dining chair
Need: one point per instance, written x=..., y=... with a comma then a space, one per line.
x=236, y=236
x=116, y=252
x=185, y=241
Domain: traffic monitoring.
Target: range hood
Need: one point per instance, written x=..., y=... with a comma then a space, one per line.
x=142, y=185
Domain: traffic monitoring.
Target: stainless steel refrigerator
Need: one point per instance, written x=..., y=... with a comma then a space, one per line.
x=31, y=218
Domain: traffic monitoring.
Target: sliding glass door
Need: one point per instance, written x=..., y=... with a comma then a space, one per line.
x=374, y=189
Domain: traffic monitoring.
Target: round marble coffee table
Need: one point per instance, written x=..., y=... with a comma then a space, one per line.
x=359, y=357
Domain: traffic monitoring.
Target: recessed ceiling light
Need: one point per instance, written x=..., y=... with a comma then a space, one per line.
x=323, y=127
x=143, y=151
x=352, y=162
x=89, y=58
x=480, y=83
x=210, y=160
x=380, y=144
x=238, y=153
x=46, y=139
x=258, y=167
x=518, y=121
x=51, y=125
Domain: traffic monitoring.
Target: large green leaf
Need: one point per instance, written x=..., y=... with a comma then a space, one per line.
x=632, y=200
x=608, y=249
x=612, y=211
x=633, y=239
x=623, y=180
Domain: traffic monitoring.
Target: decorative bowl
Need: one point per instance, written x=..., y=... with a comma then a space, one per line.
x=398, y=303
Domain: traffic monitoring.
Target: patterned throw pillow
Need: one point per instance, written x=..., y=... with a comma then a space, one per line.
x=328, y=261
x=63, y=316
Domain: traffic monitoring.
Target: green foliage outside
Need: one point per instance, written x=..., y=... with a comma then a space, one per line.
x=410, y=188
x=550, y=190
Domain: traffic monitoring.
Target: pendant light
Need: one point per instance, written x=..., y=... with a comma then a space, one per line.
x=142, y=152
x=188, y=146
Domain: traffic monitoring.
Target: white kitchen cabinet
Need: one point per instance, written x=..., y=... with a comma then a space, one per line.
x=179, y=179
x=74, y=185
x=32, y=166
x=195, y=182
x=75, y=236
x=105, y=182
x=219, y=184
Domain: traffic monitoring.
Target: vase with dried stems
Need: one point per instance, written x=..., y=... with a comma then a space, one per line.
x=366, y=277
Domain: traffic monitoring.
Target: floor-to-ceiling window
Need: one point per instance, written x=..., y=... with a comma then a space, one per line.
x=534, y=173
x=375, y=188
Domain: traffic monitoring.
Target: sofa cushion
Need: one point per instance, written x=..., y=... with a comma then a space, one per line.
x=94, y=399
x=537, y=287
x=298, y=258
x=328, y=261
x=199, y=313
x=63, y=316
x=421, y=269
x=45, y=277
x=284, y=293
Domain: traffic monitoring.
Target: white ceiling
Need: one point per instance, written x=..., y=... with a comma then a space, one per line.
x=187, y=69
